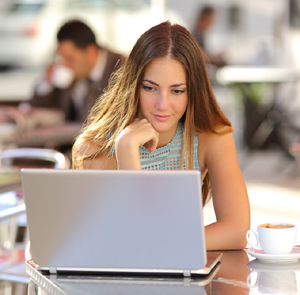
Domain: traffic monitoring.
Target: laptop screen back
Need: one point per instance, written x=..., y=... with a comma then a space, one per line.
x=115, y=219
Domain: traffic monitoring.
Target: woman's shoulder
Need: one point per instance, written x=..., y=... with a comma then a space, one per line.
x=214, y=142
x=86, y=148
x=220, y=133
x=87, y=155
x=213, y=145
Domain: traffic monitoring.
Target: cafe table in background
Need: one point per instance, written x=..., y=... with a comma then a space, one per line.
x=270, y=100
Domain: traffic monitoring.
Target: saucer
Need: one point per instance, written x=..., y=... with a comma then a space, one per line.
x=294, y=256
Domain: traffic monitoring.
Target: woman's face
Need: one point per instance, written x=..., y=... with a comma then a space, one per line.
x=163, y=95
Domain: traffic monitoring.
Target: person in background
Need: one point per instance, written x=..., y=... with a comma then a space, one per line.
x=205, y=19
x=78, y=75
x=159, y=112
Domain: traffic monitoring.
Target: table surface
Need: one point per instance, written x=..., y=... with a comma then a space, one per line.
x=238, y=273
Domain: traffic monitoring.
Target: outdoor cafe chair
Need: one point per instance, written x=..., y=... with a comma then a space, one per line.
x=32, y=156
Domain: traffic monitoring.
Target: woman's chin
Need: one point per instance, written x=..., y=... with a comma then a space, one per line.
x=162, y=127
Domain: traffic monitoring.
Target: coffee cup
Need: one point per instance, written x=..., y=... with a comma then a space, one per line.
x=62, y=76
x=273, y=238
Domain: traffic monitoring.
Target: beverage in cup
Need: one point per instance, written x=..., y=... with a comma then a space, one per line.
x=273, y=238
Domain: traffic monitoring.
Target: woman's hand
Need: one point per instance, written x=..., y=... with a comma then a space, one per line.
x=138, y=133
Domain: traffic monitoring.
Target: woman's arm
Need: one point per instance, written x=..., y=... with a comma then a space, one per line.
x=229, y=192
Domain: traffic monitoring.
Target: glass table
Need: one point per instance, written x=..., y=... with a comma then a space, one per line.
x=238, y=273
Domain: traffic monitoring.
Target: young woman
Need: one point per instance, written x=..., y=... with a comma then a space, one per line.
x=159, y=112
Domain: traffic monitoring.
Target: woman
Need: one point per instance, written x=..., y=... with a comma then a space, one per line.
x=159, y=112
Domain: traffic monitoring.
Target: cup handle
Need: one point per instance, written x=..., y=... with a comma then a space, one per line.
x=257, y=245
x=249, y=283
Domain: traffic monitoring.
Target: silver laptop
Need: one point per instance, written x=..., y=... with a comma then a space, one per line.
x=112, y=221
x=125, y=285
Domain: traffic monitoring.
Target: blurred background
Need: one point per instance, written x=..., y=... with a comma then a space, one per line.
x=252, y=49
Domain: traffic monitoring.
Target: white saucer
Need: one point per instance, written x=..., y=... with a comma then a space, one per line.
x=294, y=256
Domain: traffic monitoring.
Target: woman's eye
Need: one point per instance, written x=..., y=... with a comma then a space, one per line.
x=148, y=88
x=178, y=91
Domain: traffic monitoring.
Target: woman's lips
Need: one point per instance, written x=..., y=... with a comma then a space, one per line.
x=161, y=117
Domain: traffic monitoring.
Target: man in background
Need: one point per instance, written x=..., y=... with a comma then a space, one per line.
x=78, y=75
x=205, y=19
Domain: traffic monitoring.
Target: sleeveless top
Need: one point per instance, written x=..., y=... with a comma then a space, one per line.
x=168, y=157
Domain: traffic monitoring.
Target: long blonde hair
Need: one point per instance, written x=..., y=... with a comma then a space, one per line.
x=118, y=106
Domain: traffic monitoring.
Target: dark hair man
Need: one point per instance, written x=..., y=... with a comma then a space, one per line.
x=78, y=75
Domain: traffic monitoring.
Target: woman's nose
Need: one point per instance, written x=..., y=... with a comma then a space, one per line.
x=162, y=102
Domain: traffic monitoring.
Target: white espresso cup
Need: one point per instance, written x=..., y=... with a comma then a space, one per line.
x=62, y=76
x=273, y=238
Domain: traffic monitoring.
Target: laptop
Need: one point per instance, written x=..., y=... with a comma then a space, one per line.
x=125, y=285
x=116, y=221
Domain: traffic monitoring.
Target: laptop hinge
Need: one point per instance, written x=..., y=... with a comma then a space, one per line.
x=53, y=270
x=186, y=273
